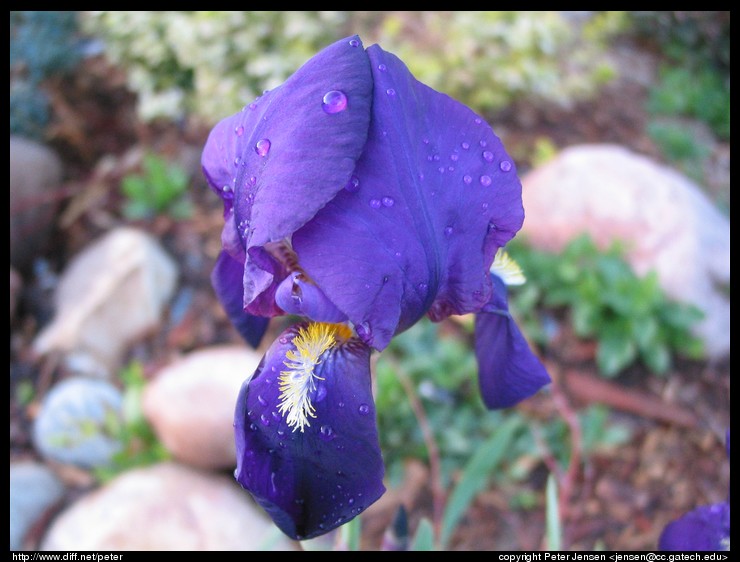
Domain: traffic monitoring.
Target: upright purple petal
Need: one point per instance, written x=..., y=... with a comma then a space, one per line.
x=288, y=153
x=705, y=528
x=508, y=371
x=226, y=279
x=310, y=478
x=435, y=196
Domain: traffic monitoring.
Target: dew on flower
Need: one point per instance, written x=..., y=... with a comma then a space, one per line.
x=354, y=43
x=327, y=433
x=488, y=156
x=388, y=201
x=382, y=67
x=261, y=400
x=334, y=101
x=485, y=180
x=353, y=185
x=265, y=420
x=468, y=179
x=465, y=145
x=239, y=131
x=375, y=203
x=454, y=157
x=262, y=147
x=505, y=165
x=448, y=231
x=390, y=92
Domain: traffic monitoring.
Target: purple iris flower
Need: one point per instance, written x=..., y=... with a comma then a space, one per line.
x=360, y=200
x=705, y=528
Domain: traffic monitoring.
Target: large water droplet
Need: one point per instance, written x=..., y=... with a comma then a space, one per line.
x=485, y=181
x=388, y=201
x=467, y=179
x=382, y=67
x=488, y=156
x=262, y=147
x=505, y=165
x=334, y=102
x=239, y=131
x=327, y=433
x=375, y=203
x=353, y=184
x=465, y=145
x=354, y=43
x=364, y=409
x=261, y=400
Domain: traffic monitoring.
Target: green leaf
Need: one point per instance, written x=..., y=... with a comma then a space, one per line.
x=351, y=534
x=552, y=522
x=475, y=475
x=424, y=538
x=657, y=358
x=614, y=352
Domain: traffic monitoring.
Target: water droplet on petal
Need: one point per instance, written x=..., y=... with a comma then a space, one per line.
x=334, y=102
x=478, y=121
x=252, y=105
x=280, y=432
x=451, y=168
x=465, y=145
x=275, y=416
x=353, y=185
x=441, y=169
x=454, y=157
x=261, y=400
x=252, y=180
x=364, y=409
x=483, y=143
x=382, y=67
x=436, y=157
x=488, y=156
x=505, y=165
x=467, y=179
x=390, y=92
x=448, y=231
x=341, y=404
x=484, y=206
x=354, y=43
x=320, y=393
x=253, y=426
x=327, y=433
x=425, y=140
x=485, y=181
x=265, y=420
x=239, y=131
x=350, y=501
x=422, y=286
x=375, y=203
x=388, y=201
x=421, y=176
x=262, y=147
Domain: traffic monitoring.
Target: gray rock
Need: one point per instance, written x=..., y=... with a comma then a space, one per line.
x=191, y=402
x=34, y=489
x=35, y=174
x=73, y=424
x=164, y=507
x=667, y=222
x=111, y=294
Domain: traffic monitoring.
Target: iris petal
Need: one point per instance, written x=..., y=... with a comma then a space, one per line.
x=436, y=195
x=313, y=478
x=226, y=279
x=297, y=295
x=705, y=528
x=508, y=371
x=283, y=157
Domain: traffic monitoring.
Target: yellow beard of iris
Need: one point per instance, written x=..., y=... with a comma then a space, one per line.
x=297, y=383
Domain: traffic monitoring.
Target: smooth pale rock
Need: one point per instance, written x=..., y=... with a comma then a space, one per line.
x=35, y=175
x=34, y=489
x=191, y=403
x=111, y=294
x=164, y=507
x=72, y=425
x=667, y=222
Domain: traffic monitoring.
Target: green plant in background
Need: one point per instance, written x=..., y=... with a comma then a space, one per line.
x=140, y=445
x=630, y=317
x=490, y=59
x=209, y=64
x=42, y=44
x=160, y=189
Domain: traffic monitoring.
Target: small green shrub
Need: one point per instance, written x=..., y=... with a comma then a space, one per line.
x=160, y=189
x=630, y=317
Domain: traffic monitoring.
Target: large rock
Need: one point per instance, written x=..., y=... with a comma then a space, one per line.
x=667, y=222
x=34, y=490
x=191, y=404
x=112, y=293
x=72, y=426
x=163, y=507
x=35, y=176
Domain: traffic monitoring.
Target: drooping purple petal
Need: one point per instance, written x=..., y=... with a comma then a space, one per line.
x=226, y=279
x=705, y=528
x=508, y=371
x=288, y=153
x=314, y=480
x=435, y=196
